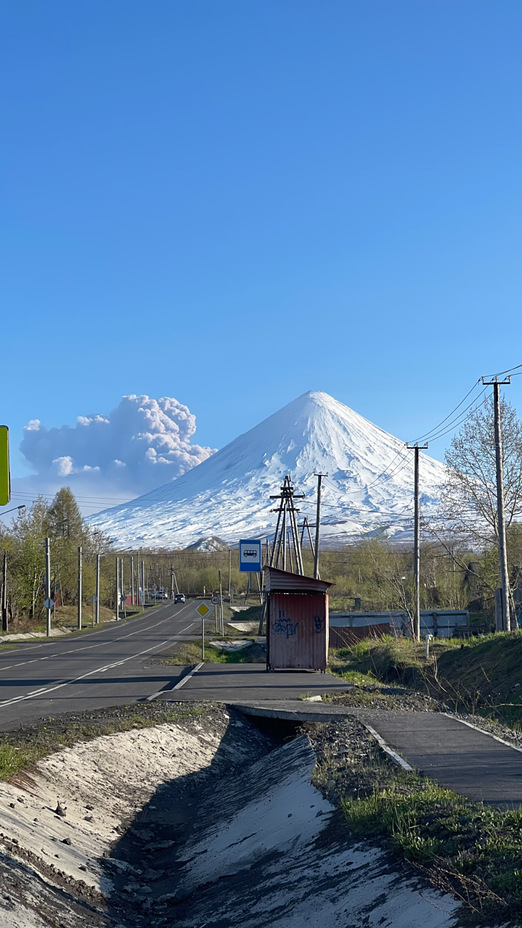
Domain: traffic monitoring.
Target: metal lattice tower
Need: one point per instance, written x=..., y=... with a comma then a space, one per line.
x=286, y=533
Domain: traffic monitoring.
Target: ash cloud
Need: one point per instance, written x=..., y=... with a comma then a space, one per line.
x=142, y=444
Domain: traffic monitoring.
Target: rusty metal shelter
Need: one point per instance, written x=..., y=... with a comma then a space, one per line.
x=297, y=621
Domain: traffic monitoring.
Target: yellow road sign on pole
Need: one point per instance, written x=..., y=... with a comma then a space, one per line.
x=5, y=479
x=203, y=610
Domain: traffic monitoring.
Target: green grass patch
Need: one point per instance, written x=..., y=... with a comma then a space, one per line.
x=465, y=848
x=471, y=850
x=188, y=653
x=479, y=675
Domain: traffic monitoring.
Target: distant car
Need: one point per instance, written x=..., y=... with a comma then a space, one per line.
x=160, y=594
x=179, y=598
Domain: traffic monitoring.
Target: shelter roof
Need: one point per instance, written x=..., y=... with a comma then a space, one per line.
x=283, y=581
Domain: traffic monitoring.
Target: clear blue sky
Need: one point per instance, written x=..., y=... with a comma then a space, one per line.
x=231, y=203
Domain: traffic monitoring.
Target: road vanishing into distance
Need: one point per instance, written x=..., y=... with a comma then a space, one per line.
x=111, y=665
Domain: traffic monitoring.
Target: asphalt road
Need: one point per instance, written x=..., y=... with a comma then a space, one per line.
x=108, y=666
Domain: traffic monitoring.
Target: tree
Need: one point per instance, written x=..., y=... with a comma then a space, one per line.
x=66, y=531
x=470, y=495
x=27, y=566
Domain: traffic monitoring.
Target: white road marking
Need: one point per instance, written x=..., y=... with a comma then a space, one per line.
x=90, y=673
x=90, y=647
x=189, y=675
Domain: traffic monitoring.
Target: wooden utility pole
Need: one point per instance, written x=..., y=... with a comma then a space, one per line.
x=80, y=585
x=117, y=588
x=503, y=621
x=48, y=607
x=221, y=622
x=5, y=623
x=123, y=597
x=318, y=525
x=286, y=510
x=416, y=545
x=230, y=576
x=97, y=610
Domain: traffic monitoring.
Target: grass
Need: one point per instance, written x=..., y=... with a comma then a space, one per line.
x=465, y=848
x=480, y=675
x=67, y=617
x=187, y=653
x=27, y=745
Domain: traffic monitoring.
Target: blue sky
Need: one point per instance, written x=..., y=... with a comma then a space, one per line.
x=230, y=203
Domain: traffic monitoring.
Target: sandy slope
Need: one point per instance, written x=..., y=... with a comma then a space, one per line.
x=200, y=823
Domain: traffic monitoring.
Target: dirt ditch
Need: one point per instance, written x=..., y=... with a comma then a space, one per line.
x=209, y=821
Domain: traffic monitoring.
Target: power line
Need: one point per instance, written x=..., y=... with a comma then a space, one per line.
x=500, y=373
x=427, y=435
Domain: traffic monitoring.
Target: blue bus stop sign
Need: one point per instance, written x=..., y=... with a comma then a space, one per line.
x=250, y=555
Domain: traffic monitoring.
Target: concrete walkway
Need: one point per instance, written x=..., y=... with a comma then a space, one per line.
x=455, y=754
x=463, y=758
x=233, y=683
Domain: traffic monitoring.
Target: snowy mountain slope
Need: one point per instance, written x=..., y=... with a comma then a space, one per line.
x=369, y=484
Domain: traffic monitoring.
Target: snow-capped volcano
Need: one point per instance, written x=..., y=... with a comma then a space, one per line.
x=369, y=485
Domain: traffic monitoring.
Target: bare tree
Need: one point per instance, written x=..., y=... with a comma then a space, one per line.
x=469, y=495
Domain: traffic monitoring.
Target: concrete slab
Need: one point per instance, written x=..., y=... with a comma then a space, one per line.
x=250, y=683
x=464, y=759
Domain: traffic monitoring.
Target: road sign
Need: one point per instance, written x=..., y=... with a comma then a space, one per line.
x=5, y=480
x=250, y=556
x=49, y=603
x=203, y=610
x=215, y=600
x=93, y=598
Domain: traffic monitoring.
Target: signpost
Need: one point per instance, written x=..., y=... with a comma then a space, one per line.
x=203, y=610
x=250, y=556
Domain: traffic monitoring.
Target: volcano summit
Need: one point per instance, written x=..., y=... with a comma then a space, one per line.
x=369, y=487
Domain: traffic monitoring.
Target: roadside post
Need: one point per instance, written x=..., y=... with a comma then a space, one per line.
x=97, y=600
x=49, y=603
x=203, y=610
x=222, y=624
x=215, y=602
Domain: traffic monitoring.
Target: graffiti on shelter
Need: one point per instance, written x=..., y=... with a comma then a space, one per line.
x=284, y=626
x=319, y=623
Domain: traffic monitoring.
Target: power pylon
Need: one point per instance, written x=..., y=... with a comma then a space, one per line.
x=286, y=521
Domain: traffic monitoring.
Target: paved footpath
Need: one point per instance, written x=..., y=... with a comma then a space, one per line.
x=463, y=758
x=455, y=754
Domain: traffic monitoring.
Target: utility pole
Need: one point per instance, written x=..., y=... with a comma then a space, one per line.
x=48, y=607
x=143, y=584
x=97, y=611
x=222, y=624
x=503, y=621
x=80, y=585
x=124, y=598
x=230, y=575
x=317, y=525
x=5, y=623
x=286, y=506
x=416, y=545
x=117, y=589
x=132, y=581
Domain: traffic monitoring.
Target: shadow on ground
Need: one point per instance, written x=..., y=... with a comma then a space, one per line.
x=146, y=865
